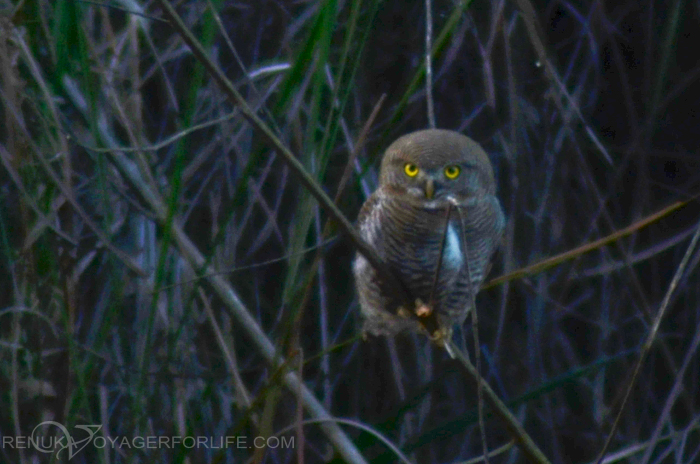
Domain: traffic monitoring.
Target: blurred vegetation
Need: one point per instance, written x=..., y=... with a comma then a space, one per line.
x=122, y=160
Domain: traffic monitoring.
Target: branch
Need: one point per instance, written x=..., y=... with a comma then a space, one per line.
x=527, y=445
x=575, y=253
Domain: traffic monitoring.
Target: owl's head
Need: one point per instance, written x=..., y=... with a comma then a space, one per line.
x=436, y=164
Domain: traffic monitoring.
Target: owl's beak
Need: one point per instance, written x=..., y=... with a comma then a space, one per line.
x=429, y=189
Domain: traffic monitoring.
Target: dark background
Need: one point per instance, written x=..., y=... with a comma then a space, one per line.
x=588, y=110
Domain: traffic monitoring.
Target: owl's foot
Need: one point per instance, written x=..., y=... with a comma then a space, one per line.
x=422, y=309
x=441, y=337
x=443, y=333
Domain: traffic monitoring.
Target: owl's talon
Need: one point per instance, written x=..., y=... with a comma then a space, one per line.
x=422, y=309
x=441, y=337
x=443, y=333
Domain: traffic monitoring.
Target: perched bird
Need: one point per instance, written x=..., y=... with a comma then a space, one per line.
x=425, y=177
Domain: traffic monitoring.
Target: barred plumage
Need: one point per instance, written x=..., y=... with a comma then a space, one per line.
x=404, y=220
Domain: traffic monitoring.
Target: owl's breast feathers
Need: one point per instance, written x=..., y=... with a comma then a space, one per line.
x=408, y=235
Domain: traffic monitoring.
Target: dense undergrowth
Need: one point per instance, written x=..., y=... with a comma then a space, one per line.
x=133, y=191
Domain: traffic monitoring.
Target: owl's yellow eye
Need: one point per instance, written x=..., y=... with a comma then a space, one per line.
x=452, y=172
x=411, y=170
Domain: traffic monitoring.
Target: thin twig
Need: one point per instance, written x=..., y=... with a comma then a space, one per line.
x=431, y=299
x=429, y=62
x=356, y=424
x=532, y=26
x=246, y=268
x=650, y=339
x=170, y=140
x=477, y=347
x=672, y=396
x=498, y=451
x=527, y=445
x=125, y=10
x=358, y=147
x=575, y=253
x=229, y=355
x=42, y=221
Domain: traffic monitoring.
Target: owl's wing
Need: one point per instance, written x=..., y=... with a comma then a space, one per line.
x=377, y=304
x=499, y=224
x=368, y=220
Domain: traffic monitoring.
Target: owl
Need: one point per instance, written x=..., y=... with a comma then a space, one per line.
x=436, y=192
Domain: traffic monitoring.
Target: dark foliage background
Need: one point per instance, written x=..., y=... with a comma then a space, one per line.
x=589, y=111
